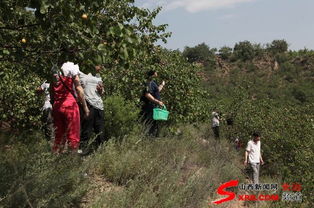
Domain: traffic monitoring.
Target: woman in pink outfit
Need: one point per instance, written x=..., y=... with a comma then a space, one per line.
x=66, y=113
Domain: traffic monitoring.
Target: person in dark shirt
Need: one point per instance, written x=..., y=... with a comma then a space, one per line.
x=151, y=98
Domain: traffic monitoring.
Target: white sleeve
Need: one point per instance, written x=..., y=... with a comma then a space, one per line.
x=44, y=86
x=248, y=148
x=82, y=78
x=75, y=70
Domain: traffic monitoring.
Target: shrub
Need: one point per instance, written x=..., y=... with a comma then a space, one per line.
x=167, y=172
x=31, y=176
x=19, y=104
x=225, y=52
x=283, y=150
x=282, y=58
x=200, y=53
x=299, y=95
x=120, y=116
x=287, y=67
x=244, y=50
x=251, y=67
x=278, y=46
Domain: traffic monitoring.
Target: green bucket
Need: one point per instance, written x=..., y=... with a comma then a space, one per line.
x=161, y=114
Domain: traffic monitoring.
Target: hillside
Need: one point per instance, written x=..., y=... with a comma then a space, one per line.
x=186, y=165
x=265, y=88
x=267, y=76
x=182, y=170
x=266, y=91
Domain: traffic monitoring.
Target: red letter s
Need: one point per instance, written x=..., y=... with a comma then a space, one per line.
x=221, y=191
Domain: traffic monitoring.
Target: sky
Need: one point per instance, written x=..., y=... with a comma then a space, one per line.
x=221, y=23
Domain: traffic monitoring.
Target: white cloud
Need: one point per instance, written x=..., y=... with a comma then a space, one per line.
x=192, y=5
x=151, y=4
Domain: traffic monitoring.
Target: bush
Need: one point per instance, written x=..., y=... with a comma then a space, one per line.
x=283, y=150
x=19, y=104
x=282, y=58
x=244, y=50
x=120, y=116
x=31, y=176
x=278, y=46
x=251, y=67
x=168, y=172
x=299, y=95
x=287, y=67
x=200, y=54
x=225, y=52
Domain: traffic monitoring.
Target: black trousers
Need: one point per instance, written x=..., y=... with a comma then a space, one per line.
x=48, y=124
x=151, y=125
x=216, y=132
x=93, y=123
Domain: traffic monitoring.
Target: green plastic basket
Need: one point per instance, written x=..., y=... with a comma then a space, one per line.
x=161, y=114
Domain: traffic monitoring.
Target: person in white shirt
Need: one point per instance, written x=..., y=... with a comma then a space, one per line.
x=93, y=89
x=253, y=153
x=47, y=111
x=215, y=124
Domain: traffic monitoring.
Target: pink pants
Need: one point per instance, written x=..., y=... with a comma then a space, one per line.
x=67, y=125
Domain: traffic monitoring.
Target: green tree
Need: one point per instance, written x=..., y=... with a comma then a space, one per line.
x=38, y=33
x=200, y=53
x=244, y=50
x=225, y=52
x=278, y=46
x=183, y=95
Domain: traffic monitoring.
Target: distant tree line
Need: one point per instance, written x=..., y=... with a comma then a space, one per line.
x=244, y=50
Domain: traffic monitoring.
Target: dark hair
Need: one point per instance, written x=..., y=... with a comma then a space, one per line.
x=256, y=134
x=229, y=121
x=150, y=73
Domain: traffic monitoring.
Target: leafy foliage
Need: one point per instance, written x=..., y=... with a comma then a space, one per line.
x=19, y=103
x=244, y=50
x=120, y=117
x=200, y=53
x=225, y=52
x=248, y=86
x=182, y=94
x=278, y=46
x=277, y=103
x=89, y=33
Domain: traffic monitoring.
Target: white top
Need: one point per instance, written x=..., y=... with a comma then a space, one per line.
x=70, y=69
x=215, y=120
x=89, y=83
x=45, y=87
x=254, y=150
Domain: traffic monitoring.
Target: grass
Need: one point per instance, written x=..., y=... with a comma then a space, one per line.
x=177, y=170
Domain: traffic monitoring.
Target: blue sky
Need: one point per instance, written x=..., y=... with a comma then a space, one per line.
x=225, y=22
